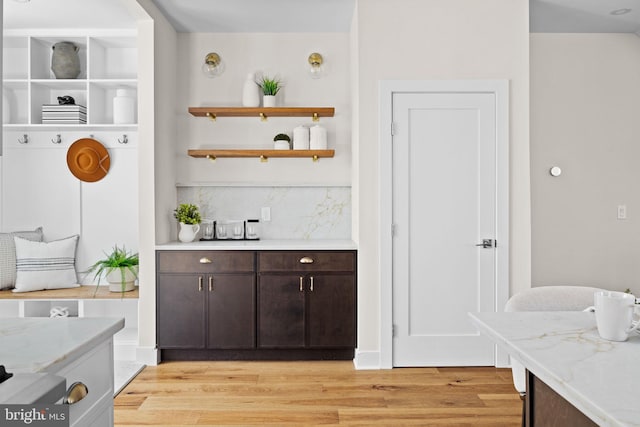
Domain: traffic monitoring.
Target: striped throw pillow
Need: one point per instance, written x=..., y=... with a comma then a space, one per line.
x=8, y=255
x=45, y=265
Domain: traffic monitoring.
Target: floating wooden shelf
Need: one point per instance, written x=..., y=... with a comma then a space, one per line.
x=263, y=155
x=262, y=112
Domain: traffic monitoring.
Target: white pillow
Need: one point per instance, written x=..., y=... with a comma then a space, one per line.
x=45, y=265
x=8, y=255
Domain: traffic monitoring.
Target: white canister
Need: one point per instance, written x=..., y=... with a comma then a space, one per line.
x=124, y=107
x=318, y=138
x=250, y=92
x=301, y=138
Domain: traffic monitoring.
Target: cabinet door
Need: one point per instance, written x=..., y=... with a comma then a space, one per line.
x=180, y=311
x=280, y=311
x=331, y=316
x=231, y=311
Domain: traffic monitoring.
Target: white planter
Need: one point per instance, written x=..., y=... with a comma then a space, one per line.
x=269, y=101
x=124, y=111
x=188, y=232
x=116, y=284
x=281, y=145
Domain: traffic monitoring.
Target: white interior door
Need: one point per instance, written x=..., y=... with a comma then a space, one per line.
x=444, y=205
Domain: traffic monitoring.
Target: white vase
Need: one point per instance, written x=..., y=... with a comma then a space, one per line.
x=269, y=101
x=301, y=138
x=317, y=138
x=250, y=92
x=116, y=282
x=188, y=232
x=124, y=107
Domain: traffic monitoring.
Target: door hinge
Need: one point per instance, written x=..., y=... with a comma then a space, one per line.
x=394, y=229
x=393, y=128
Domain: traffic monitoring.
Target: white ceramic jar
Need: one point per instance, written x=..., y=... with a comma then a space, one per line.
x=124, y=107
x=301, y=138
x=250, y=92
x=318, y=138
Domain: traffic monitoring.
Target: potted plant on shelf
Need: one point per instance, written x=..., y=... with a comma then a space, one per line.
x=282, y=142
x=270, y=87
x=120, y=269
x=189, y=218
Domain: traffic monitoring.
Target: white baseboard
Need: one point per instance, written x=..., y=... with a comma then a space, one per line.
x=147, y=355
x=367, y=360
x=125, y=350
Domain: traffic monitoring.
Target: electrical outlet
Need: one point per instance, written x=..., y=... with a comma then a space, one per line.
x=266, y=214
x=622, y=211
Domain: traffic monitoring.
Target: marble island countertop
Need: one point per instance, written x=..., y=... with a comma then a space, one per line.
x=264, y=245
x=41, y=344
x=563, y=349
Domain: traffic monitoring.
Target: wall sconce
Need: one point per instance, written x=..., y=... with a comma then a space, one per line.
x=316, y=69
x=213, y=65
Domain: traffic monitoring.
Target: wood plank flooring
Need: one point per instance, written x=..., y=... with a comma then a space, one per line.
x=323, y=393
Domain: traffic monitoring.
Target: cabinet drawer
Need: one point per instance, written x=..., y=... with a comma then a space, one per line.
x=294, y=261
x=206, y=261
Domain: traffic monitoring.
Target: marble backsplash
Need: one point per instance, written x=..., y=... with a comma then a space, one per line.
x=296, y=212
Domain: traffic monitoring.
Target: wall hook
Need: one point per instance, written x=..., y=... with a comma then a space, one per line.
x=57, y=140
x=124, y=140
x=24, y=139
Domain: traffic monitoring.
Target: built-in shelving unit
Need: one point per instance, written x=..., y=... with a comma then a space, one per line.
x=261, y=154
x=107, y=63
x=262, y=112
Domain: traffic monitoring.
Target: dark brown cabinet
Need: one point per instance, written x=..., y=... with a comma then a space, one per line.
x=211, y=309
x=306, y=300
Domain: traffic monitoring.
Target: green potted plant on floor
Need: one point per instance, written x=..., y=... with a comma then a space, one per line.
x=189, y=218
x=270, y=87
x=120, y=269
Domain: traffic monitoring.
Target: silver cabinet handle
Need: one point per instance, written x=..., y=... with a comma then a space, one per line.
x=306, y=260
x=200, y=283
x=210, y=283
x=76, y=392
x=311, y=286
x=301, y=283
x=205, y=260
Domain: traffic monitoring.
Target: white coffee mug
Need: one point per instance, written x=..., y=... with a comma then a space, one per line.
x=614, y=314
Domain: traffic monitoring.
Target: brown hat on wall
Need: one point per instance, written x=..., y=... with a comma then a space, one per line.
x=88, y=160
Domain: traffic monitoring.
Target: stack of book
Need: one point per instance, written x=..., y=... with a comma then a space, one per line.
x=69, y=114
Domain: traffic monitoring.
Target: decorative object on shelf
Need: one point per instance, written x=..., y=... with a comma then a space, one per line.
x=88, y=160
x=301, y=138
x=65, y=62
x=124, y=107
x=318, y=138
x=64, y=114
x=282, y=142
x=316, y=69
x=59, y=311
x=252, y=229
x=250, y=92
x=66, y=100
x=6, y=107
x=189, y=218
x=213, y=65
x=120, y=269
x=208, y=229
x=270, y=87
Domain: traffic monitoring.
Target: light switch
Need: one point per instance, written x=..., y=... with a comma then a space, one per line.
x=266, y=214
x=622, y=211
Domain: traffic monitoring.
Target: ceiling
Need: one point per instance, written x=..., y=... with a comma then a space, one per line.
x=293, y=15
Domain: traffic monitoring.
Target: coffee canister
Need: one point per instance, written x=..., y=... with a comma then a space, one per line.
x=124, y=104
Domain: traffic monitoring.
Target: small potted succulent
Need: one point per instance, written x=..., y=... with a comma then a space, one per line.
x=282, y=142
x=270, y=87
x=189, y=218
x=120, y=269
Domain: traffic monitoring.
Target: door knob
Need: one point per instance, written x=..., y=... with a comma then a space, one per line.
x=488, y=243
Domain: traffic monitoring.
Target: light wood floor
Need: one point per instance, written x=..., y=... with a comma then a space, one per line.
x=316, y=393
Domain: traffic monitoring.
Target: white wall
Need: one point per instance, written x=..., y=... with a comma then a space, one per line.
x=584, y=118
x=436, y=39
x=282, y=54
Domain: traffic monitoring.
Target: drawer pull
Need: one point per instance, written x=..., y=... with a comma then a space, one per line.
x=200, y=283
x=306, y=260
x=205, y=260
x=311, y=286
x=210, y=283
x=301, y=284
x=76, y=392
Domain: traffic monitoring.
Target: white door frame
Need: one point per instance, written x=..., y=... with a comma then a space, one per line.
x=500, y=89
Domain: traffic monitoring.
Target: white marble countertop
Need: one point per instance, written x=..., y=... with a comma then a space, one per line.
x=42, y=344
x=261, y=245
x=601, y=378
